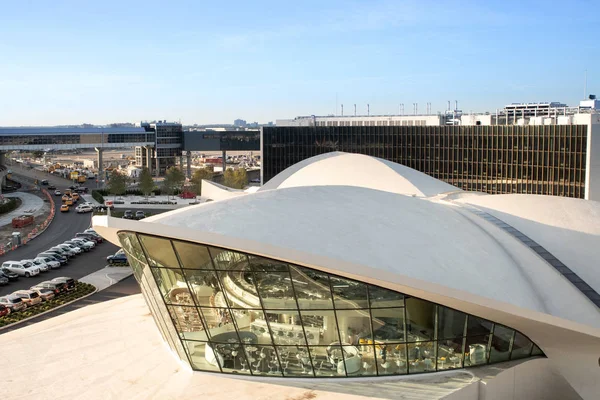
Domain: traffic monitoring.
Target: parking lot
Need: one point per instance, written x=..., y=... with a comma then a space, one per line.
x=64, y=227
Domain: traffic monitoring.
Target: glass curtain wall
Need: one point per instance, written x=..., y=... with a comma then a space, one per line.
x=232, y=312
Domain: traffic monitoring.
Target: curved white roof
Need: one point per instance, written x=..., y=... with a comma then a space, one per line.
x=347, y=169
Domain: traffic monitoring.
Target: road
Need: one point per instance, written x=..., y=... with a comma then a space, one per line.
x=64, y=227
x=126, y=287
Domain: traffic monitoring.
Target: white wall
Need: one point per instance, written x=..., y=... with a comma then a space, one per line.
x=592, y=176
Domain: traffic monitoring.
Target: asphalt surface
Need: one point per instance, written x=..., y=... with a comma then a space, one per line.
x=63, y=227
x=126, y=287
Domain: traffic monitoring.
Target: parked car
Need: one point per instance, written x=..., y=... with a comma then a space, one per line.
x=41, y=265
x=83, y=208
x=51, y=187
x=56, y=287
x=20, y=269
x=29, y=297
x=50, y=263
x=3, y=280
x=57, y=193
x=59, y=252
x=140, y=215
x=70, y=282
x=64, y=208
x=85, y=246
x=68, y=251
x=8, y=274
x=90, y=230
x=4, y=311
x=128, y=214
x=89, y=236
x=15, y=303
x=119, y=258
x=71, y=247
x=45, y=294
x=84, y=241
x=54, y=257
x=44, y=182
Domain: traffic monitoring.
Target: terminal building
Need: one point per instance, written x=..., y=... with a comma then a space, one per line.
x=348, y=266
x=551, y=152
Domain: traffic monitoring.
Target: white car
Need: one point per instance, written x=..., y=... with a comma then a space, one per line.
x=20, y=269
x=45, y=260
x=90, y=230
x=81, y=240
x=84, y=208
x=41, y=265
x=80, y=244
x=68, y=247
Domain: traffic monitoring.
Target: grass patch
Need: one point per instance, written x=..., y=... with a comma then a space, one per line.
x=12, y=203
x=81, y=289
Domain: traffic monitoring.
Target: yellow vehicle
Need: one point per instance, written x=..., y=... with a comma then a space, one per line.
x=68, y=192
x=75, y=197
x=64, y=208
x=69, y=202
x=81, y=178
x=66, y=197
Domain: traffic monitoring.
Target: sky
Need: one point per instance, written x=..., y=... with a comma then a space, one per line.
x=72, y=62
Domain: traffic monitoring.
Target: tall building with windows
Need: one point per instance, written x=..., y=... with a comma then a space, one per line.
x=561, y=159
x=165, y=151
x=382, y=272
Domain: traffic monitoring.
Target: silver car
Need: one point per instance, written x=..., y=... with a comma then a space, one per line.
x=15, y=303
x=41, y=265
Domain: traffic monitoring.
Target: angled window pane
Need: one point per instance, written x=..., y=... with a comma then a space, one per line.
x=252, y=326
x=239, y=288
x=311, y=288
x=275, y=290
x=450, y=353
x=420, y=320
x=354, y=325
x=263, y=360
x=260, y=264
x=187, y=322
x=134, y=252
x=193, y=256
x=295, y=361
x=230, y=356
x=476, y=350
x=388, y=324
x=391, y=358
x=383, y=298
x=348, y=293
x=286, y=327
x=200, y=358
x=219, y=323
x=228, y=260
x=160, y=252
x=323, y=364
x=500, y=346
x=451, y=323
x=205, y=287
x=478, y=326
x=421, y=356
x=173, y=286
x=352, y=364
x=536, y=351
x=521, y=347
x=320, y=327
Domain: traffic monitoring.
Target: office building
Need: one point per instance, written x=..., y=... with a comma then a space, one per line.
x=382, y=273
x=165, y=152
x=561, y=159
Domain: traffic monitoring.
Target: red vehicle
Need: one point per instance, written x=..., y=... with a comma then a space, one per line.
x=187, y=195
x=4, y=311
x=21, y=221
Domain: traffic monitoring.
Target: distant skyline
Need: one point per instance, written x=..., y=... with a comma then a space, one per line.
x=68, y=62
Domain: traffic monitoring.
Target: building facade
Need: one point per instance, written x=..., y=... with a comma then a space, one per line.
x=166, y=150
x=550, y=160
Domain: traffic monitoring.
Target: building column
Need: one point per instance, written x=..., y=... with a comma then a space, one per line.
x=181, y=162
x=149, y=158
x=224, y=161
x=100, y=167
x=157, y=170
x=189, y=164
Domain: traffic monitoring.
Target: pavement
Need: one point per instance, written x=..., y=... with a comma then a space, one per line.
x=30, y=204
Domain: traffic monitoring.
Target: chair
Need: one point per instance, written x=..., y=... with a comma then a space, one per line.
x=284, y=365
x=428, y=364
x=257, y=367
x=385, y=366
x=366, y=367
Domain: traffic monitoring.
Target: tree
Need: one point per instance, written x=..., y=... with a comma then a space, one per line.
x=174, y=179
x=117, y=183
x=197, y=177
x=237, y=179
x=37, y=154
x=146, y=182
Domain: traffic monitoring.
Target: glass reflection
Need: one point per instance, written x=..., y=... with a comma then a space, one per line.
x=193, y=256
x=160, y=252
x=262, y=317
x=388, y=324
x=348, y=293
x=420, y=319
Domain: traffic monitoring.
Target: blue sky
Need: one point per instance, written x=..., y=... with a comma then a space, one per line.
x=69, y=62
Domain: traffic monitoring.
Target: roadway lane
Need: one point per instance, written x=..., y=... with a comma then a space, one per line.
x=64, y=227
x=126, y=287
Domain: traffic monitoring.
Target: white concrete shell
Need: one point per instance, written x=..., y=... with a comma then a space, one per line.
x=432, y=248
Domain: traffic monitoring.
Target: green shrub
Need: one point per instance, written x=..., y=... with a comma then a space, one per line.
x=97, y=195
x=9, y=206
